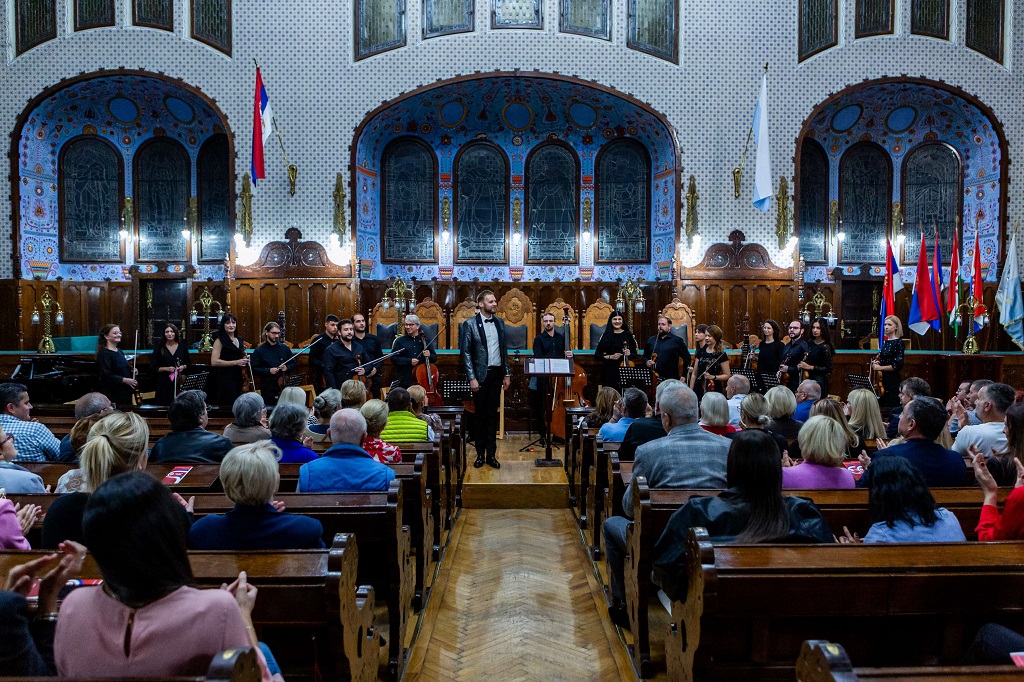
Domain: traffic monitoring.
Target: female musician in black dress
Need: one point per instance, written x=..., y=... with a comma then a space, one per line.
x=711, y=362
x=170, y=354
x=617, y=345
x=818, y=363
x=230, y=359
x=117, y=378
x=890, y=361
x=769, y=351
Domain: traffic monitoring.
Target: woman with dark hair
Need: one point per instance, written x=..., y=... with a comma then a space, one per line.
x=752, y=510
x=992, y=525
x=1003, y=465
x=818, y=363
x=902, y=508
x=169, y=358
x=616, y=347
x=146, y=620
x=117, y=379
x=769, y=351
x=711, y=361
x=890, y=361
x=230, y=359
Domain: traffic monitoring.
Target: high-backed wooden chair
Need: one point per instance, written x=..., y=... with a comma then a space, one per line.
x=595, y=319
x=432, y=318
x=384, y=324
x=557, y=308
x=681, y=318
x=516, y=309
x=463, y=311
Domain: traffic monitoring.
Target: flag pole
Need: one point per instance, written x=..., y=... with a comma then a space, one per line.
x=737, y=173
x=293, y=170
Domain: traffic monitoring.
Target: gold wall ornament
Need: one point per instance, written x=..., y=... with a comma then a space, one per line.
x=340, y=223
x=782, y=218
x=127, y=215
x=833, y=216
x=192, y=215
x=245, y=229
x=208, y=309
x=692, y=226
x=897, y=217
x=588, y=211
x=517, y=213
x=293, y=177
x=737, y=174
x=446, y=212
x=47, y=304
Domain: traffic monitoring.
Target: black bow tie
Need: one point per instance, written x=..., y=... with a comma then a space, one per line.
x=490, y=319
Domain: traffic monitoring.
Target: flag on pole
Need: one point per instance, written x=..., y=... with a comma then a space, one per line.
x=1008, y=297
x=955, y=281
x=938, y=283
x=976, y=284
x=893, y=283
x=924, y=308
x=261, y=125
x=763, y=166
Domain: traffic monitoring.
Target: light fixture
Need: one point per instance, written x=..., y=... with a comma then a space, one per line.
x=841, y=236
x=517, y=237
x=900, y=238
x=586, y=236
x=124, y=234
x=446, y=235
x=186, y=234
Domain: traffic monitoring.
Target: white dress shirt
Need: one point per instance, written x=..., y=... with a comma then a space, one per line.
x=493, y=347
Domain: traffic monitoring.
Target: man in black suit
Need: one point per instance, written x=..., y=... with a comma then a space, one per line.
x=669, y=348
x=320, y=343
x=794, y=354
x=410, y=350
x=484, y=355
x=342, y=358
x=547, y=344
x=371, y=350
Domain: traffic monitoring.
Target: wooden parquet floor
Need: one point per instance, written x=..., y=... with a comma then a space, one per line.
x=515, y=599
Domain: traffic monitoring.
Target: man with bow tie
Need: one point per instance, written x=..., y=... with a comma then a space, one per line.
x=484, y=355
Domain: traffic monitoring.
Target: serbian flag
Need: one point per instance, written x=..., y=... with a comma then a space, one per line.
x=976, y=284
x=924, y=304
x=955, y=281
x=938, y=281
x=261, y=124
x=893, y=283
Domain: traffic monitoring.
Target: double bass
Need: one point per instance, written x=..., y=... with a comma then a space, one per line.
x=569, y=389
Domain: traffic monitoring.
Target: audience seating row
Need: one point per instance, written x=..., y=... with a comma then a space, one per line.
x=823, y=661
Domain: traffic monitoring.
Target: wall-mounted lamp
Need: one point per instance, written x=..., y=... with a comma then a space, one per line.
x=125, y=235
x=186, y=234
x=517, y=237
x=841, y=236
x=446, y=236
x=586, y=236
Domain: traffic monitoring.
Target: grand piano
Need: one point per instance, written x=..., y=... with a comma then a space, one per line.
x=56, y=378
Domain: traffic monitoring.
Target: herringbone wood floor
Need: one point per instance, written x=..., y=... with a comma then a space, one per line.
x=515, y=599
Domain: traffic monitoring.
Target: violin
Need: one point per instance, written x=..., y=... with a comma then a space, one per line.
x=361, y=378
x=654, y=373
x=877, y=376
x=710, y=385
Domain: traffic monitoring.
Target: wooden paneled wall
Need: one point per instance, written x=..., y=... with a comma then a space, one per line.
x=305, y=304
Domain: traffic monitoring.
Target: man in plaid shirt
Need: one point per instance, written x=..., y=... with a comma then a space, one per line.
x=34, y=441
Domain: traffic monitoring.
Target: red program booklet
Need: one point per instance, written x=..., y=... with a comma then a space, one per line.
x=855, y=468
x=175, y=475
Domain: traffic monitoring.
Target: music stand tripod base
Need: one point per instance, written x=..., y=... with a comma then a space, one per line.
x=544, y=371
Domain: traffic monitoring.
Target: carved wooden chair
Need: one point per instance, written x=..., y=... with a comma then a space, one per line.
x=432, y=318
x=557, y=308
x=517, y=311
x=384, y=325
x=681, y=317
x=595, y=319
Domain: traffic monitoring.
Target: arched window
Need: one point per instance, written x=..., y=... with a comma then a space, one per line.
x=865, y=202
x=552, y=199
x=91, y=186
x=162, y=182
x=932, y=196
x=409, y=201
x=812, y=214
x=481, y=204
x=153, y=14
x=211, y=23
x=623, y=203
x=214, y=173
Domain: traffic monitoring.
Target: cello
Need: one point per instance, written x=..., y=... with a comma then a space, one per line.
x=427, y=374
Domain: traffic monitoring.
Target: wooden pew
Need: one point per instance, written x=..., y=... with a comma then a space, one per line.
x=822, y=661
x=305, y=596
x=573, y=418
x=748, y=608
x=581, y=471
x=230, y=665
x=158, y=426
x=431, y=453
x=453, y=453
x=597, y=493
x=203, y=478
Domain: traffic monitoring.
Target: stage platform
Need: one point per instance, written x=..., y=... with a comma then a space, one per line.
x=520, y=483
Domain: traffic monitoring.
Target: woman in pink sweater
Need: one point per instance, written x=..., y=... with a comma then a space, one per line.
x=823, y=443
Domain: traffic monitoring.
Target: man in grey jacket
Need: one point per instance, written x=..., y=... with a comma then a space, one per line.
x=688, y=457
x=485, y=357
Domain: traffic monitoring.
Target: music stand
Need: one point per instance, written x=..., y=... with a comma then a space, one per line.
x=545, y=368
x=768, y=381
x=638, y=377
x=455, y=390
x=751, y=376
x=861, y=381
x=298, y=379
x=195, y=382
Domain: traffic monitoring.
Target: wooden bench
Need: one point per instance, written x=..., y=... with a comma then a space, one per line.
x=581, y=470
x=748, y=608
x=230, y=665
x=598, y=478
x=158, y=426
x=453, y=453
x=309, y=602
x=573, y=418
x=822, y=661
x=203, y=478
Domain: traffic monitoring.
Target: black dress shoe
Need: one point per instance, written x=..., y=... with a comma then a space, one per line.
x=619, y=616
x=479, y=462
x=493, y=462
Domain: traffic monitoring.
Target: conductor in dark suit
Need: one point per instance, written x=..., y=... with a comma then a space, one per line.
x=484, y=355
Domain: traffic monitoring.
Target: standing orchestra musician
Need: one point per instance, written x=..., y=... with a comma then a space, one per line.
x=318, y=345
x=371, y=350
x=117, y=379
x=890, y=361
x=169, y=355
x=794, y=352
x=410, y=350
x=343, y=357
x=617, y=346
x=669, y=349
x=547, y=344
x=770, y=351
x=229, y=357
x=711, y=361
x=820, y=350
x=269, y=360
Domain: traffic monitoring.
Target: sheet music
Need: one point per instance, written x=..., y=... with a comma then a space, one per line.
x=558, y=365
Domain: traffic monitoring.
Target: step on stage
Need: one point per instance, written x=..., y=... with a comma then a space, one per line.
x=519, y=483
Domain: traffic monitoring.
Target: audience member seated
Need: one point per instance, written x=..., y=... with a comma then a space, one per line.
x=736, y=389
x=865, y=416
x=1003, y=465
x=957, y=418
x=189, y=442
x=287, y=426
x=754, y=411
x=988, y=436
x=14, y=479
x=418, y=395
x=714, y=414
x=353, y=394
x=807, y=392
x=831, y=408
x=752, y=510
x=250, y=477
x=993, y=645
x=688, y=457
x=403, y=426
x=901, y=506
x=992, y=525
x=117, y=444
x=823, y=443
x=86, y=406
x=324, y=407
x=15, y=522
x=921, y=421
x=346, y=466
x=28, y=645
x=375, y=412
x=250, y=423
x=34, y=441
x=781, y=408
x=293, y=395
x=959, y=399
x=146, y=620
x=910, y=388
x=71, y=481
x=606, y=408
x=647, y=429
x=633, y=406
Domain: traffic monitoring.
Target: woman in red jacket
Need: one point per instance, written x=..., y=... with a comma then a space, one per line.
x=992, y=525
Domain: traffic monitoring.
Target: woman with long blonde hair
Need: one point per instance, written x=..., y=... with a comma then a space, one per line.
x=865, y=417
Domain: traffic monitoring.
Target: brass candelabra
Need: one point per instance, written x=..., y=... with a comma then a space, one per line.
x=972, y=305
x=630, y=299
x=206, y=308
x=818, y=307
x=400, y=296
x=47, y=304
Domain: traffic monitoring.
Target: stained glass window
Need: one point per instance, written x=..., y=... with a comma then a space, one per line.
x=381, y=26
x=35, y=22
x=653, y=28
x=813, y=210
x=517, y=14
x=623, y=201
x=481, y=205
x=587, y=17
x=874, y=17
x=211, y=23
x=93, y=14
x=985, y=28
x=932, y=197
x=90, y=201
x=443, y=17
x=153, y=13
x=215, y=198
x=930, y=18
x=865, y=188
x=552, y=176
x=819, y=26
x=409, y=210
x=162, y=184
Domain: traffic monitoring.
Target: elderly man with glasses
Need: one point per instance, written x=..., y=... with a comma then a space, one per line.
x=411, y=350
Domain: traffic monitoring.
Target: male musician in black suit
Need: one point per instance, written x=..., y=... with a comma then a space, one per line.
x=342, y=358
x=669, y=348
x=411, y=350
x=318, y=345
x=547, y=344
x=269, y=360
x=485, y=357
x=793, y=354
x=372, y=349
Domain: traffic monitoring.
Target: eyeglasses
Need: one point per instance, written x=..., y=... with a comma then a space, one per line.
x=8, y=439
